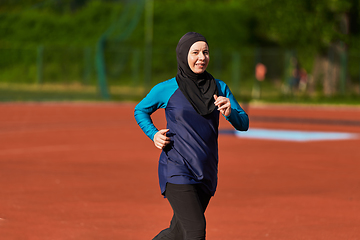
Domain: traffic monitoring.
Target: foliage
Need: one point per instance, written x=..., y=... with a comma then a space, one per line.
x=225, y=25
x=230, y=24
x=315, y=23
x=66, y=28
x=33, y=26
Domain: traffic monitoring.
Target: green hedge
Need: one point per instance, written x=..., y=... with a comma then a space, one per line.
x=42, y=42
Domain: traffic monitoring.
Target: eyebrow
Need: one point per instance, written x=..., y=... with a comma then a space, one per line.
x=199, y=49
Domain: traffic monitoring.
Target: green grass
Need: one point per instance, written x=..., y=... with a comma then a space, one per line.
x=77, y=92
x=61, y=92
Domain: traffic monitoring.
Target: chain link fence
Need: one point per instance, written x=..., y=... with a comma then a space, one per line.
x=71, y=68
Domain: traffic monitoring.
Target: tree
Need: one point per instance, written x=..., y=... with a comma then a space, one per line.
x=317, y=28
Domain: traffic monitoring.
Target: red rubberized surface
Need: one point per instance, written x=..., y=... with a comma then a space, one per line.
x=87, y=172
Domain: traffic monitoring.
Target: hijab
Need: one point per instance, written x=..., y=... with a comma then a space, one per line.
x=197, y=88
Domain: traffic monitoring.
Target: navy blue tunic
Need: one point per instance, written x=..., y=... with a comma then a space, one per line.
x=192, y=155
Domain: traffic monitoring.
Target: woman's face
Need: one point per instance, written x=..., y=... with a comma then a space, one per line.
x=198, y=57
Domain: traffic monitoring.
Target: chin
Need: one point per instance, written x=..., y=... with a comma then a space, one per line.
x=200, y=71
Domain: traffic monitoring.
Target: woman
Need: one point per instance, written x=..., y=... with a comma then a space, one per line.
x=188, y=163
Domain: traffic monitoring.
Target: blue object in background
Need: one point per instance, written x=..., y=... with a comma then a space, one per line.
x=291, y=135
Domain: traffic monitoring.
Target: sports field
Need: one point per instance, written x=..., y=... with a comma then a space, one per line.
x=85, y=171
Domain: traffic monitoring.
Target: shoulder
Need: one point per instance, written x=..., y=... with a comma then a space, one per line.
x=167, y=85
x=167, y=88
x=220, y=82
x=160, y=94
x=222, y=86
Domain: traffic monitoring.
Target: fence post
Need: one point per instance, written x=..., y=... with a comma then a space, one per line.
x=87, y=65
x=288, y=56
x=330, y=79
x=149, y=12
x=343, y=74
x=100, y=64
x=40, y=55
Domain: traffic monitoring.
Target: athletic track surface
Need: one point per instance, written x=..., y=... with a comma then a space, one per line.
x=86, y=171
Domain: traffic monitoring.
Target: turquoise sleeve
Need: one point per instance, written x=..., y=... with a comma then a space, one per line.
x=238, y=117
x=157, y=98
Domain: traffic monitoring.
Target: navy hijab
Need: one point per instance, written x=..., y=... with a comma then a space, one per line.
x=197, y=88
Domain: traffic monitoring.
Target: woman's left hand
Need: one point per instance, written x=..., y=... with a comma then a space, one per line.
x=223, y=104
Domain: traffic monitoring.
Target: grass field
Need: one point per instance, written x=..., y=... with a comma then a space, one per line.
x=64, y=92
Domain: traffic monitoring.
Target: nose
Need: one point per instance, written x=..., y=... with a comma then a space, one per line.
x=201, y=56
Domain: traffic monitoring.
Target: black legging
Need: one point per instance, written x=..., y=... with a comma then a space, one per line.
x=189, y=202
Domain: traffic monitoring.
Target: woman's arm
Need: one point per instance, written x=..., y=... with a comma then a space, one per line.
x=155, y=99
x=235, y=115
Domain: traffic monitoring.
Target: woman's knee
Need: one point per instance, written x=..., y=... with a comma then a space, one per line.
x=195, y=231
x=195, y=235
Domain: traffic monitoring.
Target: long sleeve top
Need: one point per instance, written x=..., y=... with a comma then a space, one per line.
x=192, y=155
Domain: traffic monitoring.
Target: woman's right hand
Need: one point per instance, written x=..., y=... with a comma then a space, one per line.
x=160, y=138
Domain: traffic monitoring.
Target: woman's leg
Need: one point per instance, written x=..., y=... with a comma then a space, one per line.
x=188, y=202
x=174, y=232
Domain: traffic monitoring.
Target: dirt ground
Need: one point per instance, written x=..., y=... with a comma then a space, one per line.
x=86, y=171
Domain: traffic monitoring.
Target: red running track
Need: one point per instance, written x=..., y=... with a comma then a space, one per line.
x=87, y=172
